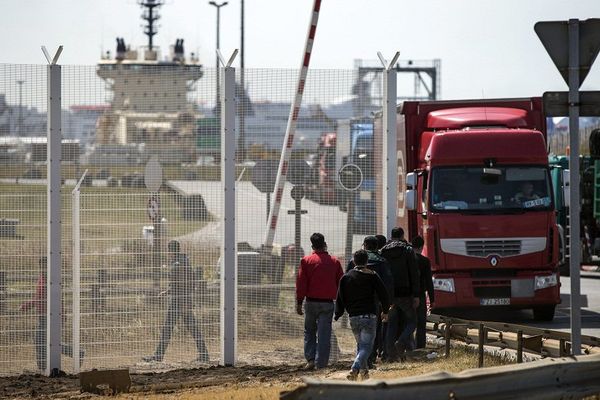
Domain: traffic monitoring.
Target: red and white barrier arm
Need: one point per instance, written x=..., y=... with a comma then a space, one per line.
x=291, y=129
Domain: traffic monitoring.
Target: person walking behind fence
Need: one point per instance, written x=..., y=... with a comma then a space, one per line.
x=361, y=292
x=317, y=282
x=426, y=287
x=403, y=264
x=180, y=293
x=38, y=302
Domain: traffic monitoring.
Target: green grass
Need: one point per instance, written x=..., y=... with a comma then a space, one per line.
x=112, y=220
x=170, y=172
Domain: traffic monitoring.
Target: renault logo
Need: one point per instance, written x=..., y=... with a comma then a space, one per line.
x=494, y=261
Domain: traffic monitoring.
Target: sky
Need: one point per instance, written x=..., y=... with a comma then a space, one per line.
x=487, y=48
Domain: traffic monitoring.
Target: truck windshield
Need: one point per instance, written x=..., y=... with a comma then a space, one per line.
x=499, y=188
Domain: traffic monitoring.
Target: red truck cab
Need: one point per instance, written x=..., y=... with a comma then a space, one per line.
x=479, y=192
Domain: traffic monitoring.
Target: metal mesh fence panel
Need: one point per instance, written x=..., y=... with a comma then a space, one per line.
x=22, y=216
x=143, y=140
x=335, y=127
x=558, y=136
x=144, y=303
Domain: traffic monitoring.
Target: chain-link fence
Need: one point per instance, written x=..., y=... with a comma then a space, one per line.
x=144, y=142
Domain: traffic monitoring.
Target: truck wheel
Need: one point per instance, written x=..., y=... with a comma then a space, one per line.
x=544, y=313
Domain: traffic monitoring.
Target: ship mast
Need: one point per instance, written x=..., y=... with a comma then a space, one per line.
x=150, y=15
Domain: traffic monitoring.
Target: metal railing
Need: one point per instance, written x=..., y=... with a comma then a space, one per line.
x=542, y=342
x=575, y=377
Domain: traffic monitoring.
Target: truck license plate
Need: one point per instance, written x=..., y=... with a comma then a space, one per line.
x=495, y=302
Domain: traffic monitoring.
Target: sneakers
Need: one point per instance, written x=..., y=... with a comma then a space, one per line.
x=401, y=350
x=309, y=366
x=152, y=358
x=352, y=375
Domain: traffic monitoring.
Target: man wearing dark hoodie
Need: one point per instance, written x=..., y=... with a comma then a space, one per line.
x=360, y=293
x=403, y=264
x=426, y=284
x=379, y=265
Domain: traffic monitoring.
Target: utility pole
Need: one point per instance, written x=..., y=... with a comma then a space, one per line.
x=217, y=99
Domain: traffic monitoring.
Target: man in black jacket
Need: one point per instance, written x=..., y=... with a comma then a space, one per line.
x=359, y=293
x=380, y=266
x=403, y=264
x=426, y=286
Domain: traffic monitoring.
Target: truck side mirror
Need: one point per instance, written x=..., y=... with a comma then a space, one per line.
x=411, y=180
x=565, y=187
x=411, y=199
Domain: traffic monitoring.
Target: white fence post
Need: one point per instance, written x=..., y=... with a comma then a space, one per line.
x=53, y=184
x=76, y=285
x=228, y=245
x=390, y=165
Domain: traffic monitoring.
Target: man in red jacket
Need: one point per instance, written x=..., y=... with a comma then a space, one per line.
x=317, y=281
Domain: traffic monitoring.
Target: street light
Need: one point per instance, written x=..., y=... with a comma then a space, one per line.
x=241, y=137
x=218, y=6
x=20, y=118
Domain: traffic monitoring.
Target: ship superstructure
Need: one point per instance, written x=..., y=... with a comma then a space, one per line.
x=149, y=103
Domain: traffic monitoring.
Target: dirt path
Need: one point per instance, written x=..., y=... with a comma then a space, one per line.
x=242, y=382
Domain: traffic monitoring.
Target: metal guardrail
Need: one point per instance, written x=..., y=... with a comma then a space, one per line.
x=550, y=378
x=544, y=342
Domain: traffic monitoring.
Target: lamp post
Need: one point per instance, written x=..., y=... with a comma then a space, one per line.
x=20, y=117
x=218, y=6
x=241, y=138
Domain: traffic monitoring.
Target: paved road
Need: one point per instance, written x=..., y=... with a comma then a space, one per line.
x=590, y=313
x=251, y=215
x=590, y=292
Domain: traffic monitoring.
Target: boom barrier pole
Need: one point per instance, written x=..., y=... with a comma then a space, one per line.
x=288, y=140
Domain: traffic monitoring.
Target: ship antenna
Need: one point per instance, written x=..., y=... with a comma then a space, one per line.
x=150, y=15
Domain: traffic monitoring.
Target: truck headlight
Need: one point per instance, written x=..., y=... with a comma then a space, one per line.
x=444, y=284
x=545, y=281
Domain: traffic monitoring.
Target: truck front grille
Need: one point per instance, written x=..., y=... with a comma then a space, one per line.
x=484, y=248
x=491, y=292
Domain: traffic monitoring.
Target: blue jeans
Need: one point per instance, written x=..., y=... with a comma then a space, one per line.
x=401, y=315
x=364, y=328
x=317, y=332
